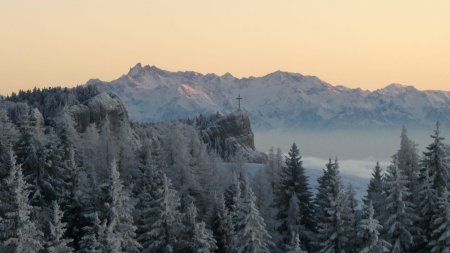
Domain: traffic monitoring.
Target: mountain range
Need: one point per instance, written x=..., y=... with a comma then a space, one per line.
x=279, y=100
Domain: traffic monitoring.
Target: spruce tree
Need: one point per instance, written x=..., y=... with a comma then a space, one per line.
x=369, y=231
x=440, y=232
x=149, y=190
x=292, y=181
x=252, y=236
x=223, y=227
x=434, y=179
x=400, y=220
x=90, y=240
x=436, y=161
x=120, y=229
x=18, y=232
x=199, y=239
x=166, y=229
x=427, y=200
x=295, y=245
x=408, y=163
x=375, y=192
x=56, y=242
x=331, y=205
x=351, y=216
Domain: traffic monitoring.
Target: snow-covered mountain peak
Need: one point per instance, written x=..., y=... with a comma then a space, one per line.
x=277, y=100
x=396, y=88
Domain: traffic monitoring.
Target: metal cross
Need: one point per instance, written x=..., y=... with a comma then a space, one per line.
x=239, y=101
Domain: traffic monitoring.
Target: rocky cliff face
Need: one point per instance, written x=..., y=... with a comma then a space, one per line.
x=230, y=136
x=97, y=109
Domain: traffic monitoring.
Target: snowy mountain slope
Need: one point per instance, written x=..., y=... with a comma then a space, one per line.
x=277, y=100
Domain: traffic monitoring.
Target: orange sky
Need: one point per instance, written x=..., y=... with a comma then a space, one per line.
x=356, y=43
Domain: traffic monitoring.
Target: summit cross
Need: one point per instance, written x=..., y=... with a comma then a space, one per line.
x=239, y=101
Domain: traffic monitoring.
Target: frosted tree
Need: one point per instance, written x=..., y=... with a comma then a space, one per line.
x=82, y=212
x=436, y=161
x=199, y=239
x=8, y=133
x=400, y=212
x=90, y=241
x=149, y=190
x=295, y=245
x=262, y=187
x=56, y=242
x=252, y=236
x=18, y=232
x=440, y=235
x=375, y=192
x=427, y=201
x=331, y=205
x=166, y=229
x=223, y=227
x=351, y=216
x=369, y=231
x=292, y=181
x=120, y=229
x=434, y=179
x=408, y=163
x=232, y=197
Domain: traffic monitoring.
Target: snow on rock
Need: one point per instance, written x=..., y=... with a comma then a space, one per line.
x=230, y=135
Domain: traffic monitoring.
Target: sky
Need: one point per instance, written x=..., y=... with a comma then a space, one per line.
x=367, y=44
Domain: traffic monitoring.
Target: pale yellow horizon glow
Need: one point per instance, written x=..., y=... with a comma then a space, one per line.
x=366, y=44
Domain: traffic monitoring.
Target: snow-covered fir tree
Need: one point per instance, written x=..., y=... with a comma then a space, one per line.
x=351, y=216
x=408, y=163
x=295, y=245
x=439, y=240
x=433, y=181
x=400, y=213
x=375, y=192
x=56, y=242
x=222, y=226
x=166, y=230
x=369, y=232
x=120, y=229
x=436, y=161
x=18, y=231
x=90, y=240
x=331, y=204
x=293, y=183
x=199, y=239
x=232, y=197
x=427, y=202
x=252, y=236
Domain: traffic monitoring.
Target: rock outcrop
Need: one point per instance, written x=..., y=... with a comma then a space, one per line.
x=97, y=109
x=230, y=136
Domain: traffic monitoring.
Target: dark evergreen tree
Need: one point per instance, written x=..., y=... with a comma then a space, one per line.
x=223, y=227
x=369, y=232
x=331, y=204
x=400, y=214
x=436, y=161
x=292, y=181
x=18, y=232
x=375, y=191
x=440, y=226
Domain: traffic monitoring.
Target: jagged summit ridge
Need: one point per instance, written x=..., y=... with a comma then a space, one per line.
x=277, y=100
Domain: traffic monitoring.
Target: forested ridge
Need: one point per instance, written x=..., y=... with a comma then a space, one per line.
x=78, y=176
